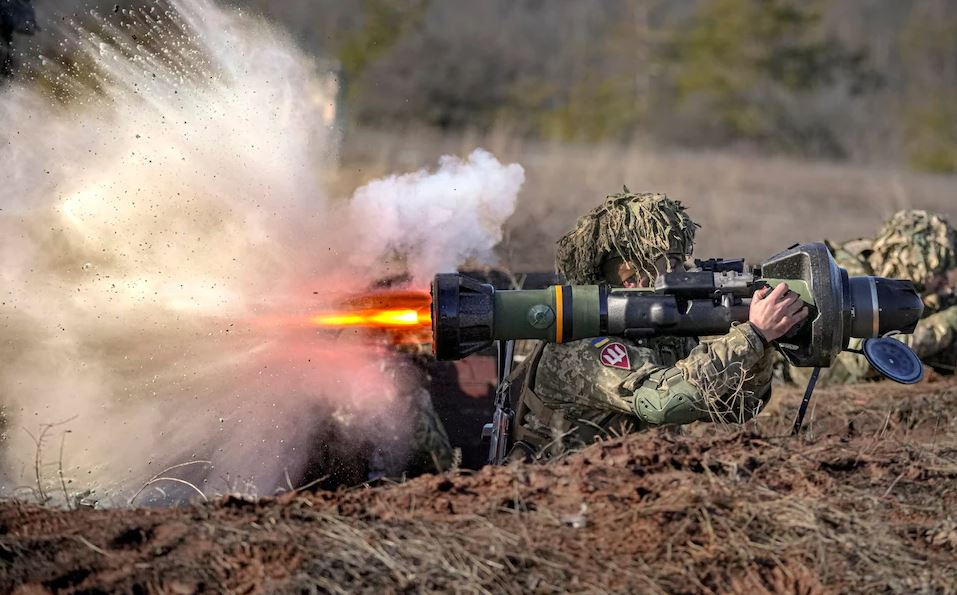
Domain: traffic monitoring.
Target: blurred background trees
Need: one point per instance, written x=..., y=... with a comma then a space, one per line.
x=859, y=80
x=862, y=79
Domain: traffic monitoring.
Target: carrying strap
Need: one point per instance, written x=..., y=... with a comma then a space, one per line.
x=525, y=401
x=543, y=440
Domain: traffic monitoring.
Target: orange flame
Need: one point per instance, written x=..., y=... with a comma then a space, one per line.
x=385, y=318
x=405, y=315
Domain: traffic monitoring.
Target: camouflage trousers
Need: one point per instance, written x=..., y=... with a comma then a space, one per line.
x=428, y=448
x=431, y=450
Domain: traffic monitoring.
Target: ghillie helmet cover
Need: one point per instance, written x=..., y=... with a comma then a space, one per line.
x=914, y=245
x=639, y=228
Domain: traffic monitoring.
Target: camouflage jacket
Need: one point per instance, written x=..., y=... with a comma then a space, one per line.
x=569, y=394
x=934, y=340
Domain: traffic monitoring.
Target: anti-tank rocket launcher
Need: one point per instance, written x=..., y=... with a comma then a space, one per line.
x=468, y=316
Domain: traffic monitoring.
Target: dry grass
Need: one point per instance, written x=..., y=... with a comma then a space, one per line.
x=867, y=506
x=748, y=205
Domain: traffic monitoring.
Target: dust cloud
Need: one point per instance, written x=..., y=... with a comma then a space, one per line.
x=164, y=236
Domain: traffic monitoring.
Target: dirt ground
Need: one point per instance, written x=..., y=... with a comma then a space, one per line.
x=863, y=501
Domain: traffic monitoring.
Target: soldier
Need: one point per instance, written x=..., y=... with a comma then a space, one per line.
x=432, y=451
x=914, y=245
x=566, y=395
x=16, y=16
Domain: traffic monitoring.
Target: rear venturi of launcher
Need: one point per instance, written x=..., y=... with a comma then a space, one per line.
x=468, y=316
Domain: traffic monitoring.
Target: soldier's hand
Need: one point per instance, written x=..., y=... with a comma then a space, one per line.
x=775, y=312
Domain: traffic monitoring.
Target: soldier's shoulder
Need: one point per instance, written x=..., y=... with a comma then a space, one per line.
x=947, y=301
x=601, y=353
x=853, y=255
x=943, y=317
x=858, y=246
x=586, y=351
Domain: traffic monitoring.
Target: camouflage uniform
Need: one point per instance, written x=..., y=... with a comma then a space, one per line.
x=566, y=395
x=430, y=449
x=912, y=245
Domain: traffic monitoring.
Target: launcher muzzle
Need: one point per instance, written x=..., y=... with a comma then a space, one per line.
x=468, y=316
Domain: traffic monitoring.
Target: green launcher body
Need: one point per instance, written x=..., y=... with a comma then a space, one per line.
x=468, y=316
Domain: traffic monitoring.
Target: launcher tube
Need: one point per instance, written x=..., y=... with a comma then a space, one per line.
x=467, y=316
x=559, y=313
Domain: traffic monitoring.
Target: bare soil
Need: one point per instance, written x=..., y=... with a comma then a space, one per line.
x=863, y=501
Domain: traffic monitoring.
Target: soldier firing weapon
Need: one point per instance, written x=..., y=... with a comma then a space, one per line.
x=468, y=316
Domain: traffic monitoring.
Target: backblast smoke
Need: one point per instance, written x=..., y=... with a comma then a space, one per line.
x=165, y=246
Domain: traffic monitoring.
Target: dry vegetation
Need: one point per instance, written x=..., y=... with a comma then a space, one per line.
x=861, y=503
x=749, y=206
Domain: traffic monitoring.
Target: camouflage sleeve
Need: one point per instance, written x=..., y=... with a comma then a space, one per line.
x=724, y=378
x=727, y=378
x=933, y=334
x=571, y=378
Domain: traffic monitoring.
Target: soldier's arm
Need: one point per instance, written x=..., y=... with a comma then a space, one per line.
x=723, y=379
x=726, y=378
x=933, y=334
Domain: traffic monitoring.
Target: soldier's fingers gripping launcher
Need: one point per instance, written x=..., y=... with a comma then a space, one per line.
x=468, y=316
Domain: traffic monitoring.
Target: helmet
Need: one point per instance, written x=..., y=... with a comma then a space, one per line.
x=639, y=228
x=914, y=245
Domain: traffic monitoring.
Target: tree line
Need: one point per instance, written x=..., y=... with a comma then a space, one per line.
x=864, y=80
x=857, y=79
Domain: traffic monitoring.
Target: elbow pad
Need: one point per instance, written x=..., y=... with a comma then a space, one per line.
x=668, y=398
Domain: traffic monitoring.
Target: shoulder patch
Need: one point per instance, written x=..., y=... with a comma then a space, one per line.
x=600, y=342
x=615, y=355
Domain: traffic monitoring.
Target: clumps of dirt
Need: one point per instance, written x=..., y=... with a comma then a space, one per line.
x=862, y=501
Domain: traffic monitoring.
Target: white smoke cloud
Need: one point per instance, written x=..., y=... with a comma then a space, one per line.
x=160, y=249
x=441, y=219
